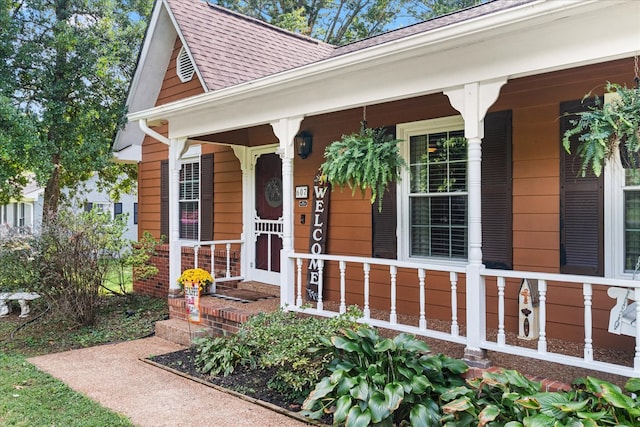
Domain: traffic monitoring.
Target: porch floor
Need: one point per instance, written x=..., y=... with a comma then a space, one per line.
x=226, y=314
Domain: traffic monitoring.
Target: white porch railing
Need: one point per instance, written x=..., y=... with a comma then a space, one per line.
x=498, y=278
x=212, y=244
x=347, y=263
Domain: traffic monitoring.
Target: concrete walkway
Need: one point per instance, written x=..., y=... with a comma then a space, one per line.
x=114, y=376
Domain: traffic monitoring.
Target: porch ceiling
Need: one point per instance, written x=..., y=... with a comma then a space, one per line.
x=531, y=39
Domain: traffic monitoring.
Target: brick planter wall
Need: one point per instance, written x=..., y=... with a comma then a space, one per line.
x=158, y=285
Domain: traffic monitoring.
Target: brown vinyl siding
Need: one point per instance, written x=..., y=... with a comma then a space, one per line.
x=172, y=88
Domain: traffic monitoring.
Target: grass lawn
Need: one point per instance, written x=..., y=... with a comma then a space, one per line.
x=29, y=397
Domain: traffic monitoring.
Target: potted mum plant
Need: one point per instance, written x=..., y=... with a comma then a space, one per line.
x=369, y=159
x=197, y=277
x=607, y=127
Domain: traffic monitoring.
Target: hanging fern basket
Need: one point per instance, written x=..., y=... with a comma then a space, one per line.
x=607, y=128
x=369, y=159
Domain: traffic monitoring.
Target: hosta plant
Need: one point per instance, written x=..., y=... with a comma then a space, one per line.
x=369, y=159
x=382, y=381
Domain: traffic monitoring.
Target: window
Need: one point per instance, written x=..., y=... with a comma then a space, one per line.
x=117, y=210
x=189, y=200
x=435, y=188
x=631, y=191
x=433, y=194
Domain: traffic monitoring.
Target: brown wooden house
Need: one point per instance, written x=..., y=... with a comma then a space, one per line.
x=218, y=100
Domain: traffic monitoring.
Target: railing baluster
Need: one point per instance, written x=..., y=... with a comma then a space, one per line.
x=366, y=311
x=588, y=323
x=320, y=305
x=212, y=248
x=299, y=282
x=542, y=340
x=453, y=278
x=501, y=334
x=228, y=260
x=196, y=249
x=343, y=287
x=423, y=320
x=393, y=316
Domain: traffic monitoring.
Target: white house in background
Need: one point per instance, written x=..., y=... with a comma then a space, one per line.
x=26, y=214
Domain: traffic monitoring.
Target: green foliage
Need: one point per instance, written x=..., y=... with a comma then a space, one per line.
x=507, y=398
x=604, y=127
x=16, y=272
x=278, y=340
x=381, y=381
x=70, y=65
x=29, y=397
x=368, y=159
x=341, y=22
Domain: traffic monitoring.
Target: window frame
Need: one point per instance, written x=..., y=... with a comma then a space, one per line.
x=192, y=156
x=404, y=132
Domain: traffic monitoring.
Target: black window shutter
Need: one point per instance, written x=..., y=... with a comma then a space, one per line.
x=497, y=234
x=581, y=206
x=206, y=197
x=384, y=222
x=117, y=209
x=164, y=199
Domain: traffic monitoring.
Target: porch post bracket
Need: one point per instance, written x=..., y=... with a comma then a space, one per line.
x=177, y=148
x=473, y=100
x=285, y=130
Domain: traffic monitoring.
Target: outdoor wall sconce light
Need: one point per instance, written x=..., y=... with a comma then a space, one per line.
x=303, y=143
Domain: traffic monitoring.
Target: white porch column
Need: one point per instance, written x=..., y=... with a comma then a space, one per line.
x=177, y=147
x=472, y=101
x=247, y=215
x=285, y=130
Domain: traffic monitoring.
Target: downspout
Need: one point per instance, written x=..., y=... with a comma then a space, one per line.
x=152, y=133
x=175, y=151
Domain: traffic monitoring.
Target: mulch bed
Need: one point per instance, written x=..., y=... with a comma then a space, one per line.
x=243, y=380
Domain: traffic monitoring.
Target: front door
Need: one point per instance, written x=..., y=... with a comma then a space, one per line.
x=268, y=218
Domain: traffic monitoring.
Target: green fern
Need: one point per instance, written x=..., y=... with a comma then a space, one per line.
x=365, y=160
x=603, y=127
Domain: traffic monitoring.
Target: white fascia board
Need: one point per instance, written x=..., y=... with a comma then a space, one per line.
x=525, y=40
x=186, y=47
x=131, y=154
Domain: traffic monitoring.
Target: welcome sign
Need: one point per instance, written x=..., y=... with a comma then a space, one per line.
x=318, y=236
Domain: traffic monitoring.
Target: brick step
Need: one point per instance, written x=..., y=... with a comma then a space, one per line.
x=180, y=331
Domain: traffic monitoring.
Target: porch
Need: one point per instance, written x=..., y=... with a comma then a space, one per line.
x=572, y=319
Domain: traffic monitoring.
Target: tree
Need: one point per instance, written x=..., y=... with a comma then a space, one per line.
x=67, y=64
x=343, y=21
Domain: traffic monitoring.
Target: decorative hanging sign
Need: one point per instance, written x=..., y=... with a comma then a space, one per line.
x=192, y=301
x=318, y=235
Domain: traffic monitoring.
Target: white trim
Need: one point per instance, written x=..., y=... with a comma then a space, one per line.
x=185, y=45
x=404, y=132
x=530, y=39
x=253, y=273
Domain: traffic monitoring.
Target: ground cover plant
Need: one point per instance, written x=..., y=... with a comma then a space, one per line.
x=364, y=379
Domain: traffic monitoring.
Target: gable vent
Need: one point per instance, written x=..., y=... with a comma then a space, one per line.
x=184, y=66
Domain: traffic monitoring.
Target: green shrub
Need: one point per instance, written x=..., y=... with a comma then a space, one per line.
x=382, y=381
x=277, y=340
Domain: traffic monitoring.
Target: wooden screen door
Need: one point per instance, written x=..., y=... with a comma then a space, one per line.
x=268, y=219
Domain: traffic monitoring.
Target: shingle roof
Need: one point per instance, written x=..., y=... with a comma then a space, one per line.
x=230, y=48
x=432, y=24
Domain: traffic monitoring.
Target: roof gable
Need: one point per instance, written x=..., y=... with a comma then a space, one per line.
x=229, y=48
